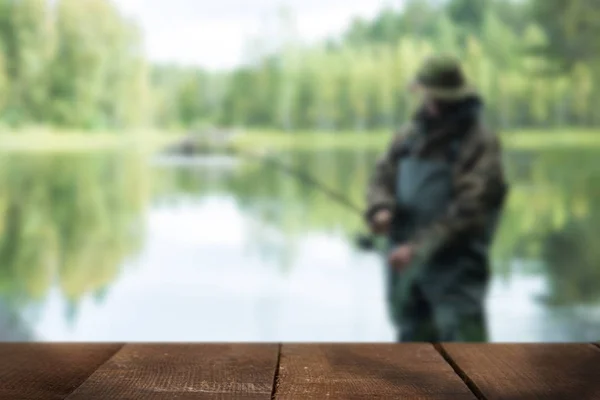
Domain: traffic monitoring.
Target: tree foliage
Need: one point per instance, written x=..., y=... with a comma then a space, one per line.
x=79, y=64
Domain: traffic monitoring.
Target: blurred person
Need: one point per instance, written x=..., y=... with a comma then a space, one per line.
x=436, y=194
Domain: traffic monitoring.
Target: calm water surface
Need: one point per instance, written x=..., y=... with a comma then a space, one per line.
x=122, y=247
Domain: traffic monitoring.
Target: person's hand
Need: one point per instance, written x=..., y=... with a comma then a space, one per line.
x=401, y=256
x=380, y=223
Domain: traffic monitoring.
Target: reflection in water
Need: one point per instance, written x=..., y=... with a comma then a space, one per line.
x=68, y=222
x=245, y=252
x=12, y=326
x=553, y=218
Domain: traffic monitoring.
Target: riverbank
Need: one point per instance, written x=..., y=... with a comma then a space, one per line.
x=73, y=141
x=377, y=140
x=51, y=141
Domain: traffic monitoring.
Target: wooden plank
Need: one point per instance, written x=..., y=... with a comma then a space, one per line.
x=31, y=371
x=367, y=371
x=184, y=371
x=529, y=371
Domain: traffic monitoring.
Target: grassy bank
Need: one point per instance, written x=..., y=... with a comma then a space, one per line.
x=50, y=141
x=55, y=141
x=538, y=139
x=377, y=140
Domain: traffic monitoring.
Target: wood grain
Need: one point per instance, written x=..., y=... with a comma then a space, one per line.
x=31, y=371
x=530, y=371
x=365, y=371
x=184, y=371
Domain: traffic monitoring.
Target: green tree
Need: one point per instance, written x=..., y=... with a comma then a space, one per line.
x=27, y=39
x=468, y=14
x=4, y=83
x=96, y=71
x=573, y=29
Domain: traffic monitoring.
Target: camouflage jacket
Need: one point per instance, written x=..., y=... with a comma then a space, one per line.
x=478, y=177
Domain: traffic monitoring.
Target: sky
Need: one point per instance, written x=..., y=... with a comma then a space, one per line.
x=214, y=34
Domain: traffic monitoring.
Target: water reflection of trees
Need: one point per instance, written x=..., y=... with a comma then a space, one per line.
x=301, y=206
x=280, y=200
x=553, y=217
x=172, y=183
x=67, y=220
x=13, y=327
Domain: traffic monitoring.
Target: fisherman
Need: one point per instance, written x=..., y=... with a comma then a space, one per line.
x=436, y=194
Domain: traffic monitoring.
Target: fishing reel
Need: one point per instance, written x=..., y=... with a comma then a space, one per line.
x=368, y=242
x=365, y=242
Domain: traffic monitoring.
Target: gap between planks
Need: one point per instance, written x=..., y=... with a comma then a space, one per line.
x=314, y=355
x=276, y=374
x=459, y=371
x=274, y=395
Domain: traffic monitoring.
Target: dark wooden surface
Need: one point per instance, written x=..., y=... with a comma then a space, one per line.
x=184, y=372
x=533, y=371
x=410, y=371
x=39, y=371
x=299, y=371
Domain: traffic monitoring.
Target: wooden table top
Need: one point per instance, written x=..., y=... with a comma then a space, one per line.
x=299, y=371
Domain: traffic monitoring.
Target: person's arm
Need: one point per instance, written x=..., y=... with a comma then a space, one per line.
x=480, y=187
x=381, y=188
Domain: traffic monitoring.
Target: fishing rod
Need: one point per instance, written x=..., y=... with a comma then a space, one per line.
x=365, y=241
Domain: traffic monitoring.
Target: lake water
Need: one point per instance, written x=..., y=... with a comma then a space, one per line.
x=126, y=247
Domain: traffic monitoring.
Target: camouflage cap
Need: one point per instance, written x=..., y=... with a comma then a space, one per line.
x=442, y=77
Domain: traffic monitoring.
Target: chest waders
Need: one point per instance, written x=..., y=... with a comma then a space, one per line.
x=442, y=298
